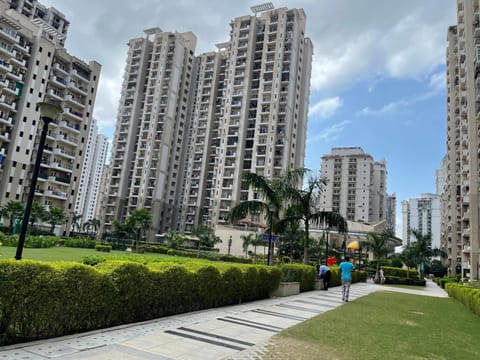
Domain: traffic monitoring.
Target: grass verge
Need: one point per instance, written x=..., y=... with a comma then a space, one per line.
x=384, y=325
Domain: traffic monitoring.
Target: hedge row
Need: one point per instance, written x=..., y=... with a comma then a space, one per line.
x=401, y=273
x=48, y=241
x=304, y=274
x=469, y=296
x=405, y=281
x=447, y=279
x=40, y=300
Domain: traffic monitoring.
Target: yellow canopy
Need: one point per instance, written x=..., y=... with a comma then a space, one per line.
x=354, y=245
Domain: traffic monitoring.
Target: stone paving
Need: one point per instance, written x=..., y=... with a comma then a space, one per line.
x=232, y=332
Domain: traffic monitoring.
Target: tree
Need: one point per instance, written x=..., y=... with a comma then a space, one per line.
x=175, y=240
x=13, y=210
x=303, y=208
x=247, y=240
x=121, y=230
x=56, y=216
x=91, y=225
x=207, y=238
x=269, y=205
x=37, y=213
x=422, y=251
x=140, y=220
x=379, y=245
x=76, y=221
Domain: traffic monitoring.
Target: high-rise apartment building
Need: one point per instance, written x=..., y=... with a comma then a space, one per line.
x=90, y=178
x=241, y=108
x=461, y=205
x=422, y=214
x=34, y=67
x=391, y=212
x=356, y=185
x=149, y=145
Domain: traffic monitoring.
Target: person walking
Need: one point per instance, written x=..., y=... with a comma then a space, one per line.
x=346, y=268
x=324, y=273
x=382, y=275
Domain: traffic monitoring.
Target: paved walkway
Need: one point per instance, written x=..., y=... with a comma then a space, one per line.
x=232, y=332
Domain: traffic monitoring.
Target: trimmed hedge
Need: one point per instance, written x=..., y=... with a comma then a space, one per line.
x=404, y=281
x=32, y=241
x=304, y=274
x=401, y=273
x=445, y=280
x=40, y=300
x=469, y=296
x=103, y=247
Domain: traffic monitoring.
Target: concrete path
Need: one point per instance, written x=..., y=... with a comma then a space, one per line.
x=232, y=332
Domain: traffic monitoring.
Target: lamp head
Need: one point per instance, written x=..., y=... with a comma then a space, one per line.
x=49, y=109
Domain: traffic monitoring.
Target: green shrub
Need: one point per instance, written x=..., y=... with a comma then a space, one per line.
x=393, y=271
x=32, y=241
x=467, y=295
x=103, y=247
x=304, y=274
x=40, y=299
x=83, y=243
x=93, y=260
x=404, y=281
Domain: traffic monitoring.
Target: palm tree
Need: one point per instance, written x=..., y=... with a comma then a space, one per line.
x=140, y=220
x=38, y=213
x=56, y=216
x=76, y=221
x=379, y=245
x=422, y=250
x=270, y=204
x=13, y=210
x=303, y=208
x=247, y=240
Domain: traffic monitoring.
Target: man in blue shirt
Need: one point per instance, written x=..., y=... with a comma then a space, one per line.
x=324, y=273
x=346, y=268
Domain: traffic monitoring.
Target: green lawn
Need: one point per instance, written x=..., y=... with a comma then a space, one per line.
x=76, y=254
x=384, y=325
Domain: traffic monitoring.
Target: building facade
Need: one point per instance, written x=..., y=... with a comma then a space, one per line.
x=461, y=205
x=209, y=118
x=91, y=175
x=422, y=214
x=149, y=145
x=356, y=185
x=391, y=213
x=35, y=67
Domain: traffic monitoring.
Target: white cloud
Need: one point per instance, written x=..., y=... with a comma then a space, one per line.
x=325, y=108
x=438, y=81
x=390, y=108
x=329, y=134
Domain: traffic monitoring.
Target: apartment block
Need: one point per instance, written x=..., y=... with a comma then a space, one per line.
x=461, y=198
x=356, y=185
x=391, y=212
x=34, y=67
x=260, y=113
x=183, y=141
x=149, y=146
x=91, y=175
x=422, y=214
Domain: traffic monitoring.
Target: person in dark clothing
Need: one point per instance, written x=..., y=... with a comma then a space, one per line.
x=324, y=273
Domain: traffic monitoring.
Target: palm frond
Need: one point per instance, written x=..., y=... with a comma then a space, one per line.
x=329, y=219
x=245, y=208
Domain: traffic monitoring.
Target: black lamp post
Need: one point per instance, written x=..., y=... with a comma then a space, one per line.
x=326, y=246
x=48, y=112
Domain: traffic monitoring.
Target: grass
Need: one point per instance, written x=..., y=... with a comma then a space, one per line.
x=77, y=254
x=410, y=287
x=384, y=325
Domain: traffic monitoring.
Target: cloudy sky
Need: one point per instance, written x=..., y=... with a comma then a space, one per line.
x=378, y=76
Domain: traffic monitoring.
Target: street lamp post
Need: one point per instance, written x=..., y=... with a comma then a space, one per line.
x=48, y=112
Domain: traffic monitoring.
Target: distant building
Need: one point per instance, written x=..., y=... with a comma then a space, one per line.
x=356, y=185
x=422, y=214
x=391, y=213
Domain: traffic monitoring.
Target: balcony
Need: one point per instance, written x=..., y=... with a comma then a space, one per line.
x=56, y=194
x=64, y=153
x=78, y=88
x=5, y=66
x=75, y=100
x=60, y=68
x=64, y=167
x=55, y=94
x=67, y=139
x=74, y=114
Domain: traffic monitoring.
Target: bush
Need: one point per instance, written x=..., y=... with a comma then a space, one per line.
x=304, y=274
x=84, y=243
x=404, y=281
x=467, y=295
x=396, y=272
x=103, y=247
x=32, y=241
x=93, y=260
x=40, y=300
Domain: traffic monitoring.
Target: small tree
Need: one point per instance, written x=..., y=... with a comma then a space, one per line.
x=175, y=240
x=140, y=220
x=37, y=213
x=76, y=226
x=379, y=245
x=13, y=210
x=56, y=216
x=247, y=240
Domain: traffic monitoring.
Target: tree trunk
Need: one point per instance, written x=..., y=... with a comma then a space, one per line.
x=305, y=244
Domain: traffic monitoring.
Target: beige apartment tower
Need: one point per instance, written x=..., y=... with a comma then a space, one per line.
x=356, y=185
x=460, y=202
x=184, y=139
x=34, y=67
x=257, y=111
